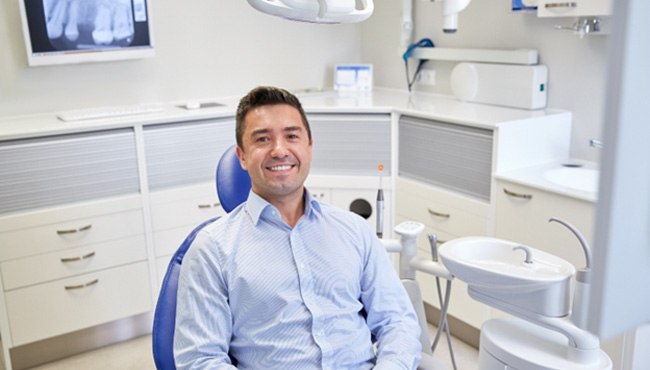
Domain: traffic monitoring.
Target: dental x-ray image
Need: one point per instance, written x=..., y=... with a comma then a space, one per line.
x=88, y=24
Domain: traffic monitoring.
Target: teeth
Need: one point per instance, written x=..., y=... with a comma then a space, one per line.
x=280, y=168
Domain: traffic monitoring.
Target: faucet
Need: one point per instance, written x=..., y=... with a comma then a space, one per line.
x=583, y=26
x=595, y=143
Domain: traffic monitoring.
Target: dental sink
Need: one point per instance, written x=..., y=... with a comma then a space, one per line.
x=510, y=276
x=583, y=179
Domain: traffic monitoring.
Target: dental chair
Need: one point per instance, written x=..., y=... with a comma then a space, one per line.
x=233, y=186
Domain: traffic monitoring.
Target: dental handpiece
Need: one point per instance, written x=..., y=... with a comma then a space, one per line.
x=433, y=243
x=380, y=204
x=380, y=213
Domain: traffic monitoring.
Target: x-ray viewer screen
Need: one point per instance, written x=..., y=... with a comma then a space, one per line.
x=77, y=26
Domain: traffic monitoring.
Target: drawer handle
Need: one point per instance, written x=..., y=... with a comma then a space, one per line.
x=81, y=286
x=74, y=259
x=567, y=4
x=205, y=206
x=438, y=214
x=74, y=231
x=517, y=195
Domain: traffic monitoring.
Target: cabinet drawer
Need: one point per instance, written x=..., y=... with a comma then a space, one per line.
x=69, y=233
x=189, y=212
x=46, y=267
x=441, y=210
x=102, y=297
x=167, y=241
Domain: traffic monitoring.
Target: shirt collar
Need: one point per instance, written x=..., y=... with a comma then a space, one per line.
x=256, y=206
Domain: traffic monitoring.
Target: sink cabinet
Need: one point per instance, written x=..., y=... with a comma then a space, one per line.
x=522, y=214
x=445, y=181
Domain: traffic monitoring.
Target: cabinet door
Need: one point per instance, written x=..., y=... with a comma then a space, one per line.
x=450, y=156
x=186, y=153
x=350, y=144
x=526, y=220
x=64, y=169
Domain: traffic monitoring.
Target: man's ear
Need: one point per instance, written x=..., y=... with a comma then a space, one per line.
x=242, y=157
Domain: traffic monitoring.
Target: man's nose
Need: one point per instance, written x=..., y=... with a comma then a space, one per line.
x=279, y=149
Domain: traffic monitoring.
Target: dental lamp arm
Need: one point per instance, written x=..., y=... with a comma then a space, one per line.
x=316, y=11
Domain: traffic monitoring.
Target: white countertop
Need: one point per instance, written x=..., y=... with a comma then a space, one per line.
x=429, y=106
x=534, y=177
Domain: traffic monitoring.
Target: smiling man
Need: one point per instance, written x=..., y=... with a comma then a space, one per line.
x=283, y=281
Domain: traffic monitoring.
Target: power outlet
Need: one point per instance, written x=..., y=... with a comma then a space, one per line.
x=427, y=77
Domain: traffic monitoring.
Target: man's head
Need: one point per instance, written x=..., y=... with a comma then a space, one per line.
x=265, y=95
x=274, y=143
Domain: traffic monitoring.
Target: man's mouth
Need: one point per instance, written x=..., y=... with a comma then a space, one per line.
x=284, y=167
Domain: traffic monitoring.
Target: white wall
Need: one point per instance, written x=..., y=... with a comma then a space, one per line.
x=212, y=48
x=577, y=67
x=204, y=48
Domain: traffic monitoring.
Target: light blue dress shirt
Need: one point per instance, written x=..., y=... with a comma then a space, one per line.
x=276, y=297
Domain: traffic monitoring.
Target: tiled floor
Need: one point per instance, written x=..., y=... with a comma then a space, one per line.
x=136, y=355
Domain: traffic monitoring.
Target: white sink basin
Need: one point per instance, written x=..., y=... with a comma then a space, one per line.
x=500, y=276
x=584, y=179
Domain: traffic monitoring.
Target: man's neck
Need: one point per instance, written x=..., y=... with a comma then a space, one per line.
x=291, y=208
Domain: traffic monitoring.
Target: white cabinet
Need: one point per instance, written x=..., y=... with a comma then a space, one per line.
x=445, y=180
x=522, y=214
x=86, y=264
x=448, y=215
x=72, y=235
x=175, y=213
x=574, y=8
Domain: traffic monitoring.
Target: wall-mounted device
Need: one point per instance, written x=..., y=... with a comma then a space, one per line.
x=450, y=10
x=317, y=11
x=75, y=31
x=518, y=86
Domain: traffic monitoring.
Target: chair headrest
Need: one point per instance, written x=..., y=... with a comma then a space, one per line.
x=233, y=182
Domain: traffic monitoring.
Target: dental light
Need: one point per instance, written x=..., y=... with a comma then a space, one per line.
x=317, y=11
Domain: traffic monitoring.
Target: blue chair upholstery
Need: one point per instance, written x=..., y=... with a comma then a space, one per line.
x=233, y=186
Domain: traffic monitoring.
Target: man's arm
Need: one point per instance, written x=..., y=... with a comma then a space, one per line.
x=203, y=317
x=391, y=317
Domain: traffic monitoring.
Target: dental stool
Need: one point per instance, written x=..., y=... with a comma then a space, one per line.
x=233, y=186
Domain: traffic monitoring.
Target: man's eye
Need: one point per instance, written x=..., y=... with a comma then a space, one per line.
x=262, y=139
x=293, y=136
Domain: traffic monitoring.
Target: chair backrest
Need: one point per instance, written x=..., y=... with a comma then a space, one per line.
x=233, y=186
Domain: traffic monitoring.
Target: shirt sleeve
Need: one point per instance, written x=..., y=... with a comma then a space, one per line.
x=203, y=318
x=390, y=314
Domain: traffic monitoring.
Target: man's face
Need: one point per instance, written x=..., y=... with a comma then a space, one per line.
x=276, y=151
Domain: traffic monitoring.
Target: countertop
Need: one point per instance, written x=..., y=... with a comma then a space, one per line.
x=429, y=106
x=534, y=177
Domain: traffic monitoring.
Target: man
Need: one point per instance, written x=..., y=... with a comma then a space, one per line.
x=283, y=281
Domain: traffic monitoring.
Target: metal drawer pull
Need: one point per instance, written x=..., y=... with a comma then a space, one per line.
x=438, y=214
x=517, y=195
x=74, y=259
x=205, y=206
x=81, y=286
x=73, y=231
x=568, y=4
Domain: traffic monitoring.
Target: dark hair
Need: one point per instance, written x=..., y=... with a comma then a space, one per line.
x=265, y=95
